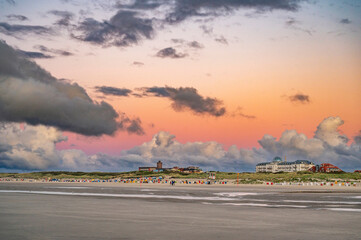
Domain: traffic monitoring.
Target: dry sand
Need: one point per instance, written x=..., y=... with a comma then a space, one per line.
x=230, y=185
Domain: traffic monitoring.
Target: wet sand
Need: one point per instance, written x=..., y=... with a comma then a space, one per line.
x=116, y=211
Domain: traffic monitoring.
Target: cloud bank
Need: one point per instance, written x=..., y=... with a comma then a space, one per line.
x=33, y=147
x=327, y=145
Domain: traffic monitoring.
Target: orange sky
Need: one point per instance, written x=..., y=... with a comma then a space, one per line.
x=265, y=62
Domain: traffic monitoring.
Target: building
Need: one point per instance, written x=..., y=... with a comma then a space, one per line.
x=325, y=168
x=159, y=165
x=277, y=165
x=147, y=169
x=175, y=169
x=191, y=169
x=159, y=168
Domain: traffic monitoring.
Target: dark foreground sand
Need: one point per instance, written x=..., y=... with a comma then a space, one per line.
x=69, y=211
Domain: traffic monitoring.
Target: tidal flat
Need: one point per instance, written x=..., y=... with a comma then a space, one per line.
x=115, y=211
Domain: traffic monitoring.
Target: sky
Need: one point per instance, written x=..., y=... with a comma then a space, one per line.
x=220, y=84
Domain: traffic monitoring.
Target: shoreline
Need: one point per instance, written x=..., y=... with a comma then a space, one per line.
x=231, y=185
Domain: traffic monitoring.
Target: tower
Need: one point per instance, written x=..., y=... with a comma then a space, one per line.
x=159, y=165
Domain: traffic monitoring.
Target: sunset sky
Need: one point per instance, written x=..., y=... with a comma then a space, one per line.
x=220, y=84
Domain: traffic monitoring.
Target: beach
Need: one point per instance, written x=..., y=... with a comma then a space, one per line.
x=161, y=211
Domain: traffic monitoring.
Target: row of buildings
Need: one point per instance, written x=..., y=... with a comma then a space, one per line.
x=275, y=166
x=159, y=168
x=278, y=165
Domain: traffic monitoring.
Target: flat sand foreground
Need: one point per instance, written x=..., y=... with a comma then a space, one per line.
x=159, y=211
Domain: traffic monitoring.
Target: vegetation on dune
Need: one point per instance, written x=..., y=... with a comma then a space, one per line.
x=243, y=177
x=296, y=177
x=101, y=175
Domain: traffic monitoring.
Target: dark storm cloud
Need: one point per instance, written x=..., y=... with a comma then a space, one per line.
x=132, y=126
x=30, y=94
x=123, y=29
x=53, y=51
x=34, y=54
x=189, y=8
x=16, y=30
x=299, y=97
x=113, y=91
x=170, y=53
x=187, y=99
x=65, y=17
x=345, y=21
x=15, y=17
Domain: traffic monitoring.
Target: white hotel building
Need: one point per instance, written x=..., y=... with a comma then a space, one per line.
x=277, y=165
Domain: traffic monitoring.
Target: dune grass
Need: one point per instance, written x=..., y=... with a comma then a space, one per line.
x=244, y=177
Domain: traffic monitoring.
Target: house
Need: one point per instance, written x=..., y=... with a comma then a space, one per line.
x=326, y=168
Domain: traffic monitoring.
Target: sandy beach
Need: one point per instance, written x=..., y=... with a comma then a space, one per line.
x=160, y=211
x=354, y=186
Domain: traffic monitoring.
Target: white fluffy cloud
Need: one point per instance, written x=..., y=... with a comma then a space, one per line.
x=293, y=144
x=327, y=145
x=328, y=132
x=29, y=147
x=33, y=147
